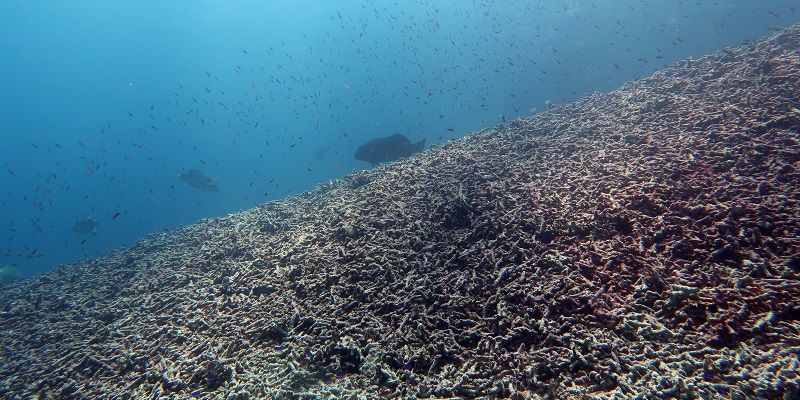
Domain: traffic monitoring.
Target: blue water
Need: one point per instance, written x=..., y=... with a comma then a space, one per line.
x=271, y=98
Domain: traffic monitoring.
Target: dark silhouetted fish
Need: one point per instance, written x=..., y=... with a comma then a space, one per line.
x=199, y=180
x=322, y=153
x=386, y=149
x=9, y=274
x=86, y=225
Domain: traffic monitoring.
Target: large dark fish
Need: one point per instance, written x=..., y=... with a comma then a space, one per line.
x=9, y=274
x=199, y=180
x=386, y=149
x=84, y=226
x=322, y=153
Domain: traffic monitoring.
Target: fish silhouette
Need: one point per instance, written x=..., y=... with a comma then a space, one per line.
x=9, y=274
x=387, y=149
x=86, y=225
x=199, y=180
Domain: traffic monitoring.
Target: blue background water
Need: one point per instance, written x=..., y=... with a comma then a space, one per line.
x=272, y=98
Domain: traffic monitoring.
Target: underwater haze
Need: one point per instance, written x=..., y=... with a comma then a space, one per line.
x=124, y=118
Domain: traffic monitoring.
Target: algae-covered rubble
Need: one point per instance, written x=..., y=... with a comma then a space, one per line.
x=641, y=243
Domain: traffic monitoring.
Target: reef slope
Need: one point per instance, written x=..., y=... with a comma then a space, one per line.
x=641, y=242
